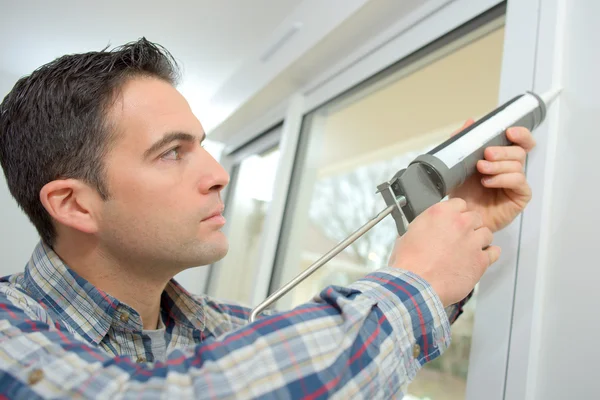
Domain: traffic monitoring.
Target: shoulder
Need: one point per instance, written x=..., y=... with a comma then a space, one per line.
x=14, y=296
x=222, y=316
x=218, y=306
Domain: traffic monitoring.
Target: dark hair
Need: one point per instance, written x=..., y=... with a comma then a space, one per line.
x=53, y=123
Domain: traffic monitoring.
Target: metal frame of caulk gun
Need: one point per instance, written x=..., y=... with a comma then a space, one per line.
x=430, y=177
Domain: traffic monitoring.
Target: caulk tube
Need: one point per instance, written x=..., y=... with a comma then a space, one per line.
x=430, y=177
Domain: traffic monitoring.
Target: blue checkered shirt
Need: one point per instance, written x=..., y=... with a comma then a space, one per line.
x=61, y=337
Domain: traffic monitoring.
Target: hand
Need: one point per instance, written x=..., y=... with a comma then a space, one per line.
x=445, y=246
x=498, y=189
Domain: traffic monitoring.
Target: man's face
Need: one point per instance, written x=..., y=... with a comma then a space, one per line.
x=165, y=204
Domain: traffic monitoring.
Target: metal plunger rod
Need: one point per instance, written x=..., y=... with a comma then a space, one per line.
x=320, y=262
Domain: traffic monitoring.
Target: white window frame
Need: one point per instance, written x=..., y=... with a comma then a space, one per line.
x=541, y=51
x=234, y=153
x=231, y=158
x=505, y=315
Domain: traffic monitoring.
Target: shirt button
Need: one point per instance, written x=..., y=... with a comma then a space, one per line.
x=141, y=360
x=124, y=317
x=35, y=376
x=416, y=351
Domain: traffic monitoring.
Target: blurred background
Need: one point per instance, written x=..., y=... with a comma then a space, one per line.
x=311, y=104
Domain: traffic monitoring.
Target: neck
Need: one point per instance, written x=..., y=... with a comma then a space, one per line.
x=134, y=285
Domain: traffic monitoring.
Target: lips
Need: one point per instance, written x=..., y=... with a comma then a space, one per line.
x=217, y=214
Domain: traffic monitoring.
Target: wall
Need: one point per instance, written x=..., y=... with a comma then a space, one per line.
x=17, y=235
x=568, y=353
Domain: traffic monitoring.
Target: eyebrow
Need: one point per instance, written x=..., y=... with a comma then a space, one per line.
x=169, y=138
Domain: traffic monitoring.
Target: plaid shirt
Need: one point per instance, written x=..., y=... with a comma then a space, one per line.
x=62, y=337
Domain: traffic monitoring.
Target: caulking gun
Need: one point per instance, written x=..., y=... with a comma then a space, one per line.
x=431, y=176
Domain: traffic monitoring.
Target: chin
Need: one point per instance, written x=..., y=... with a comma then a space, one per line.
x=220, y=253
x=213, y=251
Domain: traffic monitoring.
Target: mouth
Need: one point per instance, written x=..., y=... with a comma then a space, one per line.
x=216, y=217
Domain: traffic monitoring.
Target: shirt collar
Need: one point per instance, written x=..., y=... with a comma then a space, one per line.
x=92, y=312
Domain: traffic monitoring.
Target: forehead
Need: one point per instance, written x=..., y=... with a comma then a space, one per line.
x=147, y=108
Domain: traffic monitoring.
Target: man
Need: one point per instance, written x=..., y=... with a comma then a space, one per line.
x=104, y=156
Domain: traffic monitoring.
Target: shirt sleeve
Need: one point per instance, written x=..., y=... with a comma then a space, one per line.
x=455, y=310
x=369, y=338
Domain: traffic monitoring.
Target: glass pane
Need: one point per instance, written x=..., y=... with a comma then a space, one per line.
x=357, y=142
x=246, y=212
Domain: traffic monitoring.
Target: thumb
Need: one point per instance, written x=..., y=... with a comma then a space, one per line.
x=467, y=124
x=493, y=253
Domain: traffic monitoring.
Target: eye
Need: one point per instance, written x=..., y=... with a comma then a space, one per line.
x=173, y=154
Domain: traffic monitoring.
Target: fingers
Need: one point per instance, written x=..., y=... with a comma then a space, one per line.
x=457, y=204
x=505, y=153
x=485, y=236
x=474, y=220
x=493, y=254
x=523, y=140
x=490, y=254
x=467, y=123
x=521, y=137
x=499, y=167
x=515, y=181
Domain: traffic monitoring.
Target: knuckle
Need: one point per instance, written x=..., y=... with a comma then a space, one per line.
x=522, y=179
x=457, y=202
x=463, y=220
x=489, y=235
x=517, y=166
x=483, y=259
x=436, y=209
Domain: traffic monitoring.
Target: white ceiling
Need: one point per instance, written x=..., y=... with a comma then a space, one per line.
x=220, y=44
x=343, y=43
x=210, y=38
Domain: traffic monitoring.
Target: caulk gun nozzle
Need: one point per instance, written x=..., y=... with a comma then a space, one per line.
x=550, y=95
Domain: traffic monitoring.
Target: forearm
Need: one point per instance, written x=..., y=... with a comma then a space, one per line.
x=357, y=339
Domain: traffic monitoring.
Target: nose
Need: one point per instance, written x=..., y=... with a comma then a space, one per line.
x=215, y=177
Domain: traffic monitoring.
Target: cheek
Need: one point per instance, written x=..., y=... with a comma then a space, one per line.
x=143, y=188
x=156, y=196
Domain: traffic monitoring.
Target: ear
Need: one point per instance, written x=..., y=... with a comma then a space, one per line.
x=72, y=203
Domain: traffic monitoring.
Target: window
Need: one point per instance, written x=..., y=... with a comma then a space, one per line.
x=362, y=139
x=247, y=206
